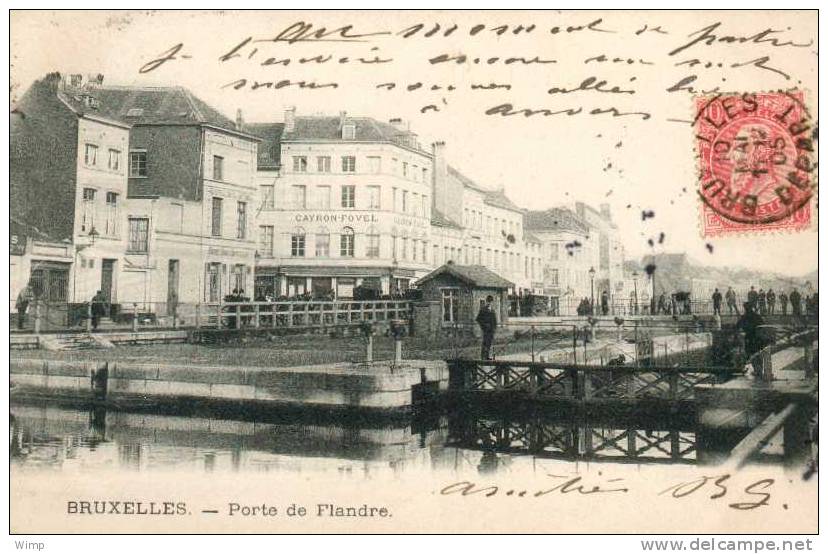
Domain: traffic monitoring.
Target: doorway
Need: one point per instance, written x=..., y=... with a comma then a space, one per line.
x=107, y=272
x=172, y=286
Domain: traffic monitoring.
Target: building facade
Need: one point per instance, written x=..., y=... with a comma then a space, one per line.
x=608, y=253
x=190, y=222
x=68, y=187
x=348, y=209
x=152, y=188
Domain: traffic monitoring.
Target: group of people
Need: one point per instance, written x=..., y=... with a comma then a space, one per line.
x=677, y=303
x=98, y=306
x=236, y=296
x=586, y=307
x=765, y=302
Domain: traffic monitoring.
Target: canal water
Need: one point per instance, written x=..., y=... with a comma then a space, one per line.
x=78, y=438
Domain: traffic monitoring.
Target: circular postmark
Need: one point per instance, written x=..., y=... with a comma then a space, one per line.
x=755, y=156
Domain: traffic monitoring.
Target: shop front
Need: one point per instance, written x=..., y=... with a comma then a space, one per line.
x=329, y=282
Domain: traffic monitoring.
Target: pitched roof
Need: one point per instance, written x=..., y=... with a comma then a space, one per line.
x=19, y=227
x=496, y=198
x=555, y=219
x=270, y=149
x=441, y=220
x=499, y=199
x=531, y=237
x=153, y=106
x=465, y=181
x=366, y=129
x=475, y=275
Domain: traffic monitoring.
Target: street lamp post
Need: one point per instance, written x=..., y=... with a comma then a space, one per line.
x=653, y=298
x=635, y=293
x=592, y=289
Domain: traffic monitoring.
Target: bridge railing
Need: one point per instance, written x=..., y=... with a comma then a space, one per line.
x=762, y=361
x=544, y=380
x=42, y=316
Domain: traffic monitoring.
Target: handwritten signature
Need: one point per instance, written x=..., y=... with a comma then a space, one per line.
x=756, y=494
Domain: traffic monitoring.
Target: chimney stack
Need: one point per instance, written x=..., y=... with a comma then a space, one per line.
x=447, y=194
x=239, y=120
x=290, y=119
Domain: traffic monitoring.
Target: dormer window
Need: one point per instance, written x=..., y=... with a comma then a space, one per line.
x=348, y=132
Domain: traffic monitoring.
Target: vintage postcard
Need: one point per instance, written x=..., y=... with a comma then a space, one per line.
x=413, y=272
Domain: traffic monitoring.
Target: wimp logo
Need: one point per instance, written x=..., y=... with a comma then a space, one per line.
x=28, y=545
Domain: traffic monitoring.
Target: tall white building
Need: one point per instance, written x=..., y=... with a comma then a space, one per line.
x=348, y=205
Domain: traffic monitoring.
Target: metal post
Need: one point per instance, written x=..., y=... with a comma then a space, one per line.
x=256, y=316
x=134, y=317
x=369, y=349
x=397, y=350
x=574, y=344
x=37, y=318
x=89, y=317
x=238, y=316
x=809, y=358
x=533, y=342
x=673, y=379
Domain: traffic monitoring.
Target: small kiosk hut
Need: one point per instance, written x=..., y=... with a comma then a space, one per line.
x=452, y=295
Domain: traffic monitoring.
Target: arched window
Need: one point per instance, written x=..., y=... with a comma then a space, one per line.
x=346, y=243
x=297, y=243
x=323, y=242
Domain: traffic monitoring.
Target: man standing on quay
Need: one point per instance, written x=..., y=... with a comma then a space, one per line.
x=730, y=297
x=717, y=302
x=487, y=320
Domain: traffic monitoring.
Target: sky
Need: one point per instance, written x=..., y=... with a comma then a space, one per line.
x=567, y=61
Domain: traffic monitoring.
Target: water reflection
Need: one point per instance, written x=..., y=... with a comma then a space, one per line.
x=79, y=438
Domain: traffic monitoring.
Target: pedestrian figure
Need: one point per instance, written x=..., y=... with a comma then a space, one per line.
x=783, y=303
x=730, y=296
x=762, y=302
x=98, y=308
x=605, y=302
x=749, y=324
x=752, y=296
x=795, y=298
x=487, y=320
x=812, y=305
x=771, y=301
x=662, y=304
x=22, y=305
x=717, y=302
x=673, y=304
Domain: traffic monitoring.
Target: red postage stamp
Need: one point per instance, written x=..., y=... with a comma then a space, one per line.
x=756, y=169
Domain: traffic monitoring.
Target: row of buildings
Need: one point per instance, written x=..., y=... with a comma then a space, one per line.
x=155, y=198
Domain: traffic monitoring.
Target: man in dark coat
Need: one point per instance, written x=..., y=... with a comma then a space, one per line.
x=749, y=324
x=771, y=301
x=752, y=297
x=487, y=320
x=783, y=303
x=662, y=304
x=98, y=308
x=763, y=307
x=605, y=303
x=795, y=298
x=22, y=304
x=717, y=302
